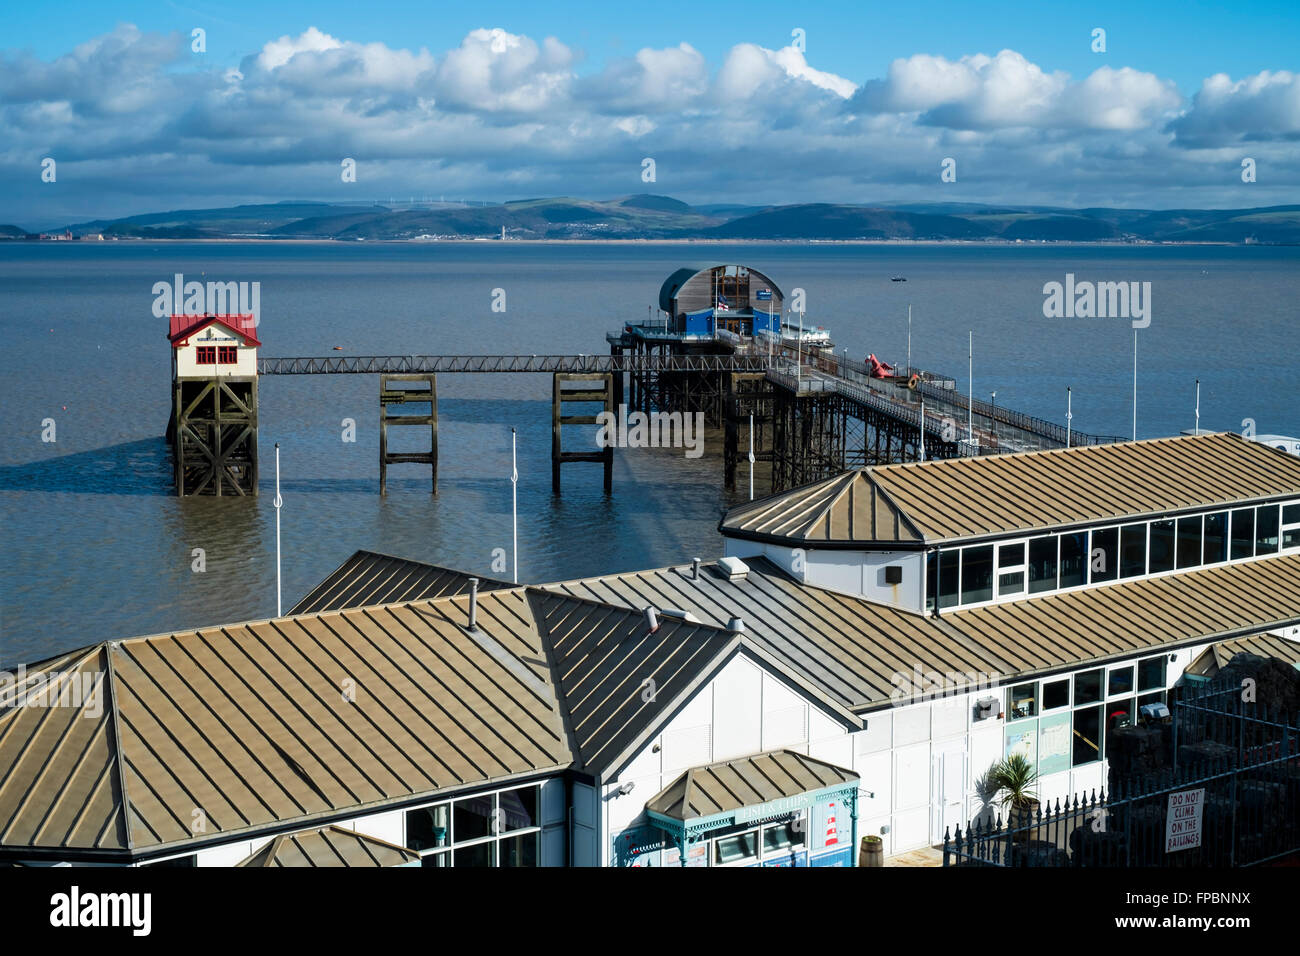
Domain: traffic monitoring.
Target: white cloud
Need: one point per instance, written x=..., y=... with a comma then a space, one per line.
x=1258, y=108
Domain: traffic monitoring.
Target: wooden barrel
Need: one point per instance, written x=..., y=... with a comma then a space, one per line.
x=872, y=852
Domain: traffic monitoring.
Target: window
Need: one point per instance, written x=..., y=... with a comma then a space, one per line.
x=1216, y=538
x=782, y=838
x=1120, y=713
x=227, y=354
x=205, y=355
x=1105, y=554
x=1022, y=701
x=1133, y=550
x=1189, y=542
x=1056, y=694
x=949, y=576
x=1042, y=564
x=1120, y=681
x=1087, y=735
x=1087, y=687
x=977, y=574
x=1151, y=673
x=1011, y=569
x=1243, y=533
x=1074, y=558
x=1156, y=698
x=1291, y=526
x=1266, y=529
x=740, y=848
x=488, y=829
x=1162, y=546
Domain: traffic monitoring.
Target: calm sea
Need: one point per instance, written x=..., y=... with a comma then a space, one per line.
x=95, y=546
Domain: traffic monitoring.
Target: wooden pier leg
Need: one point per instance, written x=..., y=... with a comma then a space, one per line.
x=433, y=426
x=555, y=435
x=383, y=437
x=730, y=437
x=609, y=448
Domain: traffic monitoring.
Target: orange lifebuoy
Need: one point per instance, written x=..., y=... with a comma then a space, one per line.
x=913, y=381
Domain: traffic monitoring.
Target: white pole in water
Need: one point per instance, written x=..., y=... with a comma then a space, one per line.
x=1135, y=384
x=751, y=457
x=1198, y=406
x=514, y=505
x=798, y=369
x=970, y=378
x=1069, y=414
x=909, y=340
x=279, y=608
x=922, y=423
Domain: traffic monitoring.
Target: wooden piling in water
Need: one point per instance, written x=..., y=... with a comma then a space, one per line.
x=608, y=394
x=414, y=396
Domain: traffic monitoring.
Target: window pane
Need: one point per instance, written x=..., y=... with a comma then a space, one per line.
x=1151, y=673
x=1120, y=682
x=1216, y=537
x=1290, y=514
x=782, y=836
x=1013, y=555
x=734, y=849
x=1133, y=550
x=427, y=828
x=1120, y=713
x=1266, y=529
x=1074, y=554
x=1291, y=538
x=1056, y=694
x=480, y=854
x=518, y=809
x=1087, y=735
x=1243, y=533
x=1104, y=560
x=977, y=574
x=438, y=860
x=1022, y=701
x=1162, y=546
x=1156, y=698
x=519, y=850
x=1013, y=582
x=1087, y=687
x=1042, y=564
x=472, y=819
x=1189, y=541
x=949, y=569
x=931, y=581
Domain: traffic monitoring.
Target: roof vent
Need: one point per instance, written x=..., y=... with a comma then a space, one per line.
x=695, y=569
x=736, y=624
x=473, y=604
x=733, y=569
x=651, y=619
x=680, y=615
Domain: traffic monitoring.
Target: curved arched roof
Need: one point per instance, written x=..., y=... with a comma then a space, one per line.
x=673, y=284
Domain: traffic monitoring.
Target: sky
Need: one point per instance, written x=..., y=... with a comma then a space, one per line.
x=116, y=109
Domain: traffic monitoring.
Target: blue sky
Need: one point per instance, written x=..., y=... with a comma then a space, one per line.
x=570, y=97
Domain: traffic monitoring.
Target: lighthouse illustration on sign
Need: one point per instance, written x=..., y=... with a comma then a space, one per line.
x=832, y=831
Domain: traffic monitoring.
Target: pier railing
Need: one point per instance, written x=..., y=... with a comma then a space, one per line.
x=448, y=364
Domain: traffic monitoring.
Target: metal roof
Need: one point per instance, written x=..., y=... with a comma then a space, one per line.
x=369, y=578
x=216, y=732
x=1215, y=657
x=745, y=782
x=329, y=846
x=961, y=498
x=863, y=655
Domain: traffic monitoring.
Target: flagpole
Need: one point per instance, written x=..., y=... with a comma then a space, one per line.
x=1069, y=414
x=751, y=457
x=514, y=505
x=970, y=378
x=922, y=421
x=279, y=607
x=909, y=340
x=1198, y=406
x=1135, y=384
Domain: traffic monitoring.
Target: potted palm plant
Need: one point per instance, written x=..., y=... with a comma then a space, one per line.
x=1015, y=778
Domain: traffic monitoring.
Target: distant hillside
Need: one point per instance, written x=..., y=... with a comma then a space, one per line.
x=649, y=216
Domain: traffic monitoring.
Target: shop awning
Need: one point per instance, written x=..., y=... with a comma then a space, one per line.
x=748, y=789
x=331, y=846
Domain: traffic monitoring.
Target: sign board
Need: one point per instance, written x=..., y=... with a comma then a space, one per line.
x=1183, y=820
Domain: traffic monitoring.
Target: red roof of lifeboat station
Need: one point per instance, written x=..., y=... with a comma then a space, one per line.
x=183, y=326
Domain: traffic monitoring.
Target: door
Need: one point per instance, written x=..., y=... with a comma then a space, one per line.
x=949, y=788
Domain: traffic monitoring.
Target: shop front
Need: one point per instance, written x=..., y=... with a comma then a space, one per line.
x=774, y=809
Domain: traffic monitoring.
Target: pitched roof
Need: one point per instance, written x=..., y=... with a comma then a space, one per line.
x=368, y=578
x=251, y=725
x=731, y=785
x=934, y=502
x=181, y=327
x=1215, y=657
x=864, y=655
x=329, y=846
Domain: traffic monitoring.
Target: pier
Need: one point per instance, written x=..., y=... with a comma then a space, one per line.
x=718, y=349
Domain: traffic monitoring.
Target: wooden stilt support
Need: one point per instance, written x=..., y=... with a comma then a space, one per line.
x=391, y=393
x=591, y=387
x=213, y=434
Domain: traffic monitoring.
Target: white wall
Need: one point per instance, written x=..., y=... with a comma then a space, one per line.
x=860, y=573
x=215, y=335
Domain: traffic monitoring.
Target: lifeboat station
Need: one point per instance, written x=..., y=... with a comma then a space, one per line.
x=864, y=650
